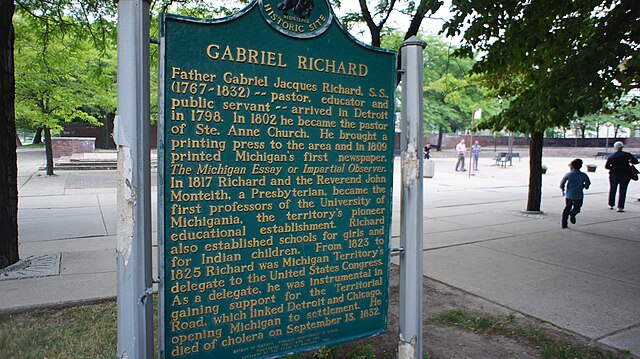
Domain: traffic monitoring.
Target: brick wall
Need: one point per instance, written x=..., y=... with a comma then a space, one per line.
x=66, y=146
x=103, y=134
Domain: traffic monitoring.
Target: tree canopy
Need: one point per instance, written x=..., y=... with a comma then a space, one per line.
x=453, y=92
x=551, y=59
x=60, y=78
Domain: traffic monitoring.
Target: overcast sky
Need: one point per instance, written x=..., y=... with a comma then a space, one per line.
x=430, y=25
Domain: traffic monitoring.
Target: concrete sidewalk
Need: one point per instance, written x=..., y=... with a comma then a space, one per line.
x=584, y=279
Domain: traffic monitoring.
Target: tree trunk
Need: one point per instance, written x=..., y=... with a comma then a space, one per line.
x=110, y=120
x=8, y=164
x=37, y=138
x=440, y=132
x=535, y=171
x=375, y=35
x=49, y=151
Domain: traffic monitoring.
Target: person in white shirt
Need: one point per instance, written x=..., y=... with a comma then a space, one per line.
x=460, y=149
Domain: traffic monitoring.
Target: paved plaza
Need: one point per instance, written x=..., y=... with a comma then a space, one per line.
x=584, y=279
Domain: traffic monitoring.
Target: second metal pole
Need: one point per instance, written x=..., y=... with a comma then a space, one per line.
x=411, y=270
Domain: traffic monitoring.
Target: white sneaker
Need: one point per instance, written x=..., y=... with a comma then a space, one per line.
x=620, y=210
x=610, y=207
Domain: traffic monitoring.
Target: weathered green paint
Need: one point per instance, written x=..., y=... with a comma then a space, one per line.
x=292, y=235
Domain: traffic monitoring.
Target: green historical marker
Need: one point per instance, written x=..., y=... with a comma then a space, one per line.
x=275, y=164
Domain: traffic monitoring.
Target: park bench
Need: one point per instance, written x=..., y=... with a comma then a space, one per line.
x=504, y=157
x=504, y=160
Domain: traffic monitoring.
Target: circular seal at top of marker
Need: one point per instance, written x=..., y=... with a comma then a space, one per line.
x=297, y=18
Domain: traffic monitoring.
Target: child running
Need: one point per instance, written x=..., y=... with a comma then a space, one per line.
x=574, y=182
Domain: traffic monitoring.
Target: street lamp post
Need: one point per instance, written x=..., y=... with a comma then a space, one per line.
x=606, y=142
x=476, y=115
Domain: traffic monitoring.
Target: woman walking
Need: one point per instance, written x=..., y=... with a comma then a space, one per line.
x=619, y=166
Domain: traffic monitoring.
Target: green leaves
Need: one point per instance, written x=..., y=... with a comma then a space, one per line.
x=451, y=92
x=551, y=59
x=61, y=78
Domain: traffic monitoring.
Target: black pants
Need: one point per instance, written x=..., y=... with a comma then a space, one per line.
x=614, y=182
x=572, y=207
x=460, y=163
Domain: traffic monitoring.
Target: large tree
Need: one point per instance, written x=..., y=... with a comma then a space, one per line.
x=552, y=60
x=61, y=78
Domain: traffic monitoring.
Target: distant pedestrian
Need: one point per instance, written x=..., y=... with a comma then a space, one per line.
x=427, y=151
x=461, y=148
x=475, y=153
x=619, y=166
x=574, y=182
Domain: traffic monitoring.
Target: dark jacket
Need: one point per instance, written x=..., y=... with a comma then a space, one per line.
x=618, y=163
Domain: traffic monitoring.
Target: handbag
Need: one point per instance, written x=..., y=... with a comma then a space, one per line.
x=634, y=172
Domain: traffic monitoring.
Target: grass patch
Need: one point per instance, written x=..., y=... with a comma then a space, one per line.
x=91, y=332
x=80, y=332
x=363, y=352
x=550, y=347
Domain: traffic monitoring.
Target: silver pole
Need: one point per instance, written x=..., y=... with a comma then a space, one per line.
x=131, y=134
x=411, y=270
x=473, y=116
x=510, y=148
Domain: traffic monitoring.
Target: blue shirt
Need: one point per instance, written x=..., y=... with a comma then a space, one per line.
x=575, y=182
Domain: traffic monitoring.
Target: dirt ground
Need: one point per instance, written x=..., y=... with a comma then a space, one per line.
x=442, y=341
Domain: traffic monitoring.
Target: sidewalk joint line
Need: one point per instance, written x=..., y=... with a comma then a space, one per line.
x=562, y=266
x=637, y=325
x=104, y=222
x=463, y=244
x=67, y=238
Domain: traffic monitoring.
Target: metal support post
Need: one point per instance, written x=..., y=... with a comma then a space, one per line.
x=411, y=270
x=473, y=116
x=131, y=134
x=510, y=148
